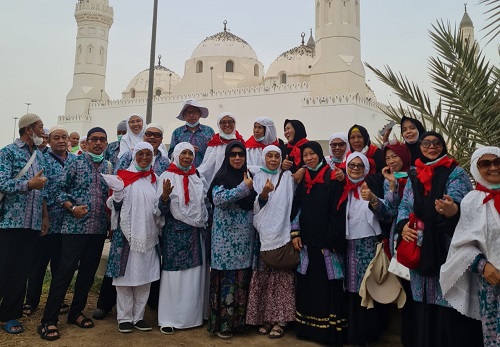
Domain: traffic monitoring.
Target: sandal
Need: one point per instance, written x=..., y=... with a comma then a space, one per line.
x=167, y=330
x=44, y=331
x=265, y=329
x=64, y=308
x=10, y=325
x=28, y=310
x=85, y=323
x=277, y=332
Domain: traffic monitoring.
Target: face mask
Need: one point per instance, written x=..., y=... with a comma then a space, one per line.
x=96, y=158
x=36, y=140
x=120, y=138
x=194, y=125
x=142, y=168
x=495, y=187
x=186, y=169
x=317, y=167
x=356, y=180
x=398, y=175
x=260, y=139
x=266, y=170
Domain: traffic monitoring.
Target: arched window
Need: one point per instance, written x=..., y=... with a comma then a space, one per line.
x=199, y=66
x=132, y=93
x=229, y=66
x=79, y=54
x=283, y=78
x=90, y=55
x=101, y=56
x=158, y=92
x=256, y=70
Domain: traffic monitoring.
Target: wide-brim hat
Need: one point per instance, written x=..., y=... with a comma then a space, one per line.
x=386, y=291
x=193, y=102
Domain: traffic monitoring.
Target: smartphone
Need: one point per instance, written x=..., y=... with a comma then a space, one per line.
x=387, y=128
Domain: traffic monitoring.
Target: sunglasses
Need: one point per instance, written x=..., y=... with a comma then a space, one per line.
x=427, y=143
x=356, y=166
x=486, y=164
x=237, y=154
x=155, y=135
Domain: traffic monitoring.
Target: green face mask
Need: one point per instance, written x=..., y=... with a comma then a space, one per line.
x=96, y=158
x=120, y=138
x=142, y=168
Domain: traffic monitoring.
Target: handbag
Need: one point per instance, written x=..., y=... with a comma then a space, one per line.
x=282, y=258
x=398, y=269
x=408, y=251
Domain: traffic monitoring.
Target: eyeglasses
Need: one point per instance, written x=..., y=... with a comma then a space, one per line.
x=153, y=134
x=237, y=154
x=356, y=166
x=144, y=155
x=191, y=112
x=337, y=144
x=427, y=143
x=96, y=139
x=226, y=122
x=486, y=164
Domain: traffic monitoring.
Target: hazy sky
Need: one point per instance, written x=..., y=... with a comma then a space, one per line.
x=38, y=42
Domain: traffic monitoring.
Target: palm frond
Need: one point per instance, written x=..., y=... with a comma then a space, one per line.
x=493, y=21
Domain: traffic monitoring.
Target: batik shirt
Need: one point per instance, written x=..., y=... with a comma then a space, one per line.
x=55, y=172
x=82, y=184
x=22, y=208
x=111, y=152
x=198, y=138
x=160, y=164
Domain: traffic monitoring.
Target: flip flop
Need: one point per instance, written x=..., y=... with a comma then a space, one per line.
x=28, y=310
x=64, y=308
x=10, y=325
x=82, y=322
x=277, y=332
x=265, y=329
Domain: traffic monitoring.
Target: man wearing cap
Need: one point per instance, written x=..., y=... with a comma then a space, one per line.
x=48, y=247
x=23, y=216
x=193, y=132
x=111, y=152
x=43, y=147
x=85, y=223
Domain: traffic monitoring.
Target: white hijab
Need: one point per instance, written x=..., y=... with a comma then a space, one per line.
x=138, y=223
x=273, y=220
x=341, y=136
x=254, y=155
x=225, y=136
x=361, y=222
x=129, y=140
x=195, y=212
x=477, y=232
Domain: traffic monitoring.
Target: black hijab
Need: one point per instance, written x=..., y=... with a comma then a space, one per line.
x=444, y=150
x=230, y=178
x=364, y=133
x=316, y=148
x=300, y=129
x=413, y=147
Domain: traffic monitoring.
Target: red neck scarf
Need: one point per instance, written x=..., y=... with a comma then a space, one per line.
x=216, y=140
x=295, y=150
x=253, y=143
x=492, y=194
x=129, y=177
x=309, y=183
x=349, y=186
x=401, y=186
x=174, y=169
x=426, y=172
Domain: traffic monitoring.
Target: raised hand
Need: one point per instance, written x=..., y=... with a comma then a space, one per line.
x=286, y=164
x=388, y=174
x=339, y=174
x=167, y=190
x=37, y=182
x=268, y=187
x=366, y=193
x=446, y=206
x=248, y=180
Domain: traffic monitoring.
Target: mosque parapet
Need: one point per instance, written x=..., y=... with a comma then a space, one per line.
x=354, y=98
x=67, y=118
x=88, y=10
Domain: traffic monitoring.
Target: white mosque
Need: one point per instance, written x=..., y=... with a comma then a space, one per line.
x=321, y=81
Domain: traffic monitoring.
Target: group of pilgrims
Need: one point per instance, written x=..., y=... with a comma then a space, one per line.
x=196, y=219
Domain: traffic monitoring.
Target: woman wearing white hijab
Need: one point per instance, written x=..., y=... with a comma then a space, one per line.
x=134, y=135
x=470, y=278
x=271, y=300
x=338, y=148
x=134, y=261
x=264, y=134
x=183, y=286
x=216, y=147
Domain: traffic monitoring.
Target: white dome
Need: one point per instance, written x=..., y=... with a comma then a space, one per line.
x=225, y=44
x=164, y=82
x=296, y=61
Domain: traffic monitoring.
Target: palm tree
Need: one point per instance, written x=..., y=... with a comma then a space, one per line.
x=494, y=20
x=468, y=110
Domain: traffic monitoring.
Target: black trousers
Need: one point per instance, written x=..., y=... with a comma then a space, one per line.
x=17, y=248
x=78, y=251
x=48, y=249
x=107, y=295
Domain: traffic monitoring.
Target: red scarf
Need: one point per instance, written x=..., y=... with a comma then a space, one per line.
x=174, y=169
x=401, y=186
x=130, y=177
x=426, y=172
x=253, y=143
x=493, y=194
x=309, y=183
x=349, y=186
x=295, y=150
x=216, y=140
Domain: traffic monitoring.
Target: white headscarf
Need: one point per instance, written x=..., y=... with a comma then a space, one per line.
x=225, y=136
x=195, y=212
x=477, y=232
x=129, y=140
x=363, y=158
x=344, y=138
x=273, y=220
x=270, y=135
x=138, y=223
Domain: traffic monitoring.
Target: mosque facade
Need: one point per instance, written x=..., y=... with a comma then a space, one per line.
x=321, y=81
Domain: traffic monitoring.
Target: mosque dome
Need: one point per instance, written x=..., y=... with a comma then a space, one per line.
x=224, y=43
x=292, y=66
x=164, y=82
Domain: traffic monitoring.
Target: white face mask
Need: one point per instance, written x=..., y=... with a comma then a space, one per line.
x=36, y=140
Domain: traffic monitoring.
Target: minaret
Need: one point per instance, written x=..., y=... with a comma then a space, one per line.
x=94, y=19
x=338, y=68
x=467, y=31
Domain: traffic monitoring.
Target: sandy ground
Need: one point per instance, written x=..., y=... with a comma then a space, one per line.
x=105, y=334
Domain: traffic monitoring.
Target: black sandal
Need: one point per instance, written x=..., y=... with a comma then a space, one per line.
x=64, y=308
x=82, y=324
x=44, y=331
x=28, y=310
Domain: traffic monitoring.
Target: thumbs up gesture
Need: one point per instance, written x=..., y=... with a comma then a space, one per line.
x=248, y=180
x=37, y=182
x=339, y=174
x=366, y=193
x=287, y=164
